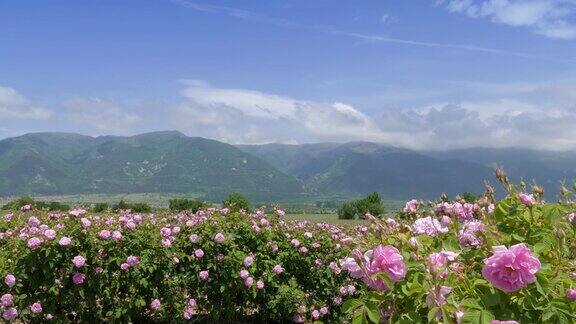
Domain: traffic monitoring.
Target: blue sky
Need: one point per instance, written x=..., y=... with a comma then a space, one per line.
x=417, y=74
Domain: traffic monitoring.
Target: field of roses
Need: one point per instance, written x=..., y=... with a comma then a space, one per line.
x=481, y=261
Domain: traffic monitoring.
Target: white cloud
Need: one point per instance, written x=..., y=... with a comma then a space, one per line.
x=13, y=105
x=247, y=116
x=551, y=18
x=514, y=115
x=95, y=114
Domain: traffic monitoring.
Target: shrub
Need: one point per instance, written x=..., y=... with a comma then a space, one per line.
x=371, y=204
x=167, y=268
x=181, y=204
x=18, y=203
x=236, y=202
x=100, y=207
x=43, y=205
x=134, y=207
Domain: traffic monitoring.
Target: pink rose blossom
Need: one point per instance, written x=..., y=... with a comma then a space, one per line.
x=297, y=318
x=6, y=300
x=10, y=280
x=79, y=261
x=155, y=304
x=10, y=314
x=116, y=235
x=204, y=275
x=78, y=278
x=133, y=260
x=278, y=269
x=437, y=297
x=527, y=200
x=193, y=238
x=249, y=281
x=219, y=238
x=50, y=234
x=511, y=269
x=244, y=274
x=104, y=234
x=65, y=241
x=85, y=222
x=36, y=308
x=260, y=284
x=411, y=206
x=199, y=253
x=34, y=243
x=124, y=266
x=571, y=294
x=248, y=261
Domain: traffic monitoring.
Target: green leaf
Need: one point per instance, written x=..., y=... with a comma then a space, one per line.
x=372, y=312
x=358, y=317
x=351, y=304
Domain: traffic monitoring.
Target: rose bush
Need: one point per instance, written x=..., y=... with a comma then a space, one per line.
x=508, y=261
x=212, y=265
x=488, y=261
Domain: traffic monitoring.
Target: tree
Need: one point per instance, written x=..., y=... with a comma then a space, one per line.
x=180, y=204
x=372, y=204
x=236, y=202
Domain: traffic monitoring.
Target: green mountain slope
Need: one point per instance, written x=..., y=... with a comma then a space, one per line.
x=164, y=162
x=362, y=167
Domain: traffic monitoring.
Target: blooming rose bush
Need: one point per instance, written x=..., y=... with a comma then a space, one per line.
x=488, y=261
x=208, y=266
x=483, y=261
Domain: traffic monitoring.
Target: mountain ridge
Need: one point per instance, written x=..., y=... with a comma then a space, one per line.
x=171, y=162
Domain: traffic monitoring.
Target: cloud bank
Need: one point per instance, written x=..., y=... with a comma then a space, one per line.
x=528, y=115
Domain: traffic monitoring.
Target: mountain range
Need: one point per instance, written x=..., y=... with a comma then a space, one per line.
x=170, y=162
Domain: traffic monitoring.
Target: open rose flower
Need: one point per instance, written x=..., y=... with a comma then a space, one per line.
x=511, y=269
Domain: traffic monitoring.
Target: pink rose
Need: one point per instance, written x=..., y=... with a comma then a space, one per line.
x=571, y=294
x=511, y=269
x=244, y=274
x=260, y=284
x=278, y=269
x=388, y=259
x=527, y=200
x=10, y=280
x=6, y=300
x=34, y=243
x=11, y=313
x=79, y=261
x=219, y=238
x=248, y=261
x=36, y=308
x=65, y=241
x=204, y=275
x=78, y=278
x=50, y=234
x=155, y=304
x=105, y=234
x=133, y=260
x=249, y=281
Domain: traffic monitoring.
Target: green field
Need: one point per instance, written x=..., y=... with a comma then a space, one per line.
x=324, y=218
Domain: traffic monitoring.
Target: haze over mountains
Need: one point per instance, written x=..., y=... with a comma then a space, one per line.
x=170, y=162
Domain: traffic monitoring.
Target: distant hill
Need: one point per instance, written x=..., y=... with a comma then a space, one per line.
x=165, y=162
x=360, y=167
x=170, y=162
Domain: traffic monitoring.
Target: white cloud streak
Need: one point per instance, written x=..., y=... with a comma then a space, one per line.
x=286, y=23
x=550, y=18
x=13, y=105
